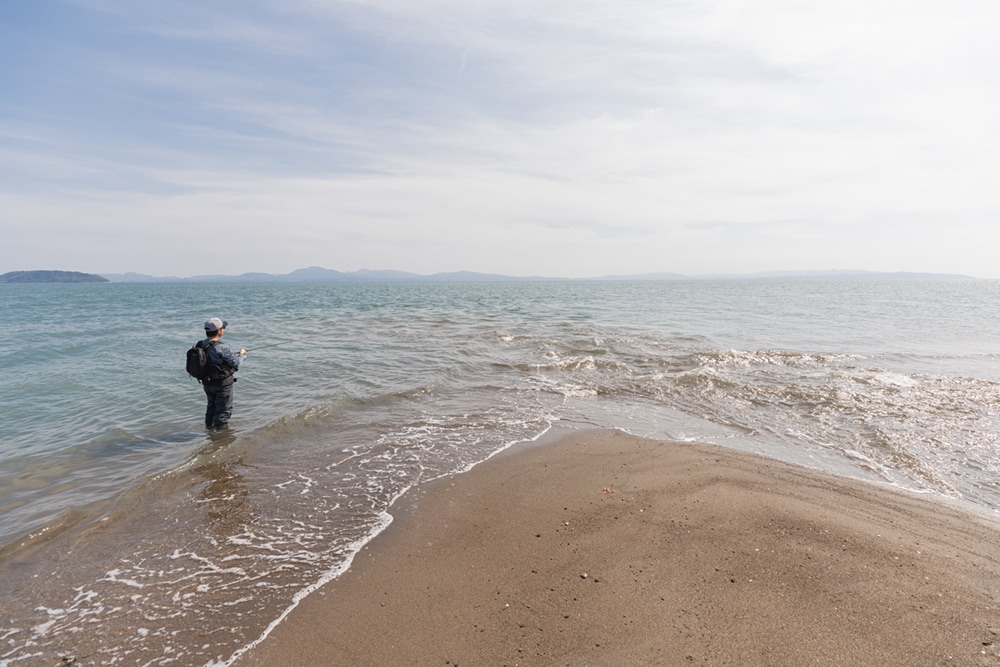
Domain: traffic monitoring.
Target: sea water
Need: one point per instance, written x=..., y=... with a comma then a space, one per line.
x=130, y=535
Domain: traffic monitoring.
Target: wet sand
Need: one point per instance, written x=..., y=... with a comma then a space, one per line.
x=606, y=549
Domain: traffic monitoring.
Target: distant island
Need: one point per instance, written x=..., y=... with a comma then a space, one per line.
x=51, y=277
x=317, y=274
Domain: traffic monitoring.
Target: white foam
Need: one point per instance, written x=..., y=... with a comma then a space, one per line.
x=385, y=519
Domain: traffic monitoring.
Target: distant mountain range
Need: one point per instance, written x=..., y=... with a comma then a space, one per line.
x=315, y=274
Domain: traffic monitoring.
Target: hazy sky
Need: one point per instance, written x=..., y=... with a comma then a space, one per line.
x=527, y=137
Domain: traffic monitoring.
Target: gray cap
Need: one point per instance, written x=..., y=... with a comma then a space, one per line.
x=214, y=324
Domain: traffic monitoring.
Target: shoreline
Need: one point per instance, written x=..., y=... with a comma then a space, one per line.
x=604, y=548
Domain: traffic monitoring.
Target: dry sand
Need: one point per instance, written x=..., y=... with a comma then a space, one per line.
x=606, y=549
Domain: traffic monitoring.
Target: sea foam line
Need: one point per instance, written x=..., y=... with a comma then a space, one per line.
x=384, y=522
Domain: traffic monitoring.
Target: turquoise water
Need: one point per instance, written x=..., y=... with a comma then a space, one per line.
x=155, y=530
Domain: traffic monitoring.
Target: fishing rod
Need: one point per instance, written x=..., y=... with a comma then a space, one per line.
x=261, y=347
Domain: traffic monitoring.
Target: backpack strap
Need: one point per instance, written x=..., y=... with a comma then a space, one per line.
x=218, y=372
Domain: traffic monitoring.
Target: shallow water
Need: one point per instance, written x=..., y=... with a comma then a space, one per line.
x=133, y=537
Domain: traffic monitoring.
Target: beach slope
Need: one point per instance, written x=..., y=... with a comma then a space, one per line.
x=607, y=549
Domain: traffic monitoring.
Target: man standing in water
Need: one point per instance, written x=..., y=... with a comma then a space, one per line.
x=219, y=385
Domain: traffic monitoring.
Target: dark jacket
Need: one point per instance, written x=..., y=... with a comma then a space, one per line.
x=224, y=363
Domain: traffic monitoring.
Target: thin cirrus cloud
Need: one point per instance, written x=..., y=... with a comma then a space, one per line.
x=558, y=138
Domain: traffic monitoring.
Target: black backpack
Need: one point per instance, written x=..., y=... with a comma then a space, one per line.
x=198, y=365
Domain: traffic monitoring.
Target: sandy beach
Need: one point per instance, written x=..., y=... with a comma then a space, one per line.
x=607, y=549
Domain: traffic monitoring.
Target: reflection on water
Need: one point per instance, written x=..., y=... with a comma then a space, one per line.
x=226, y=498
